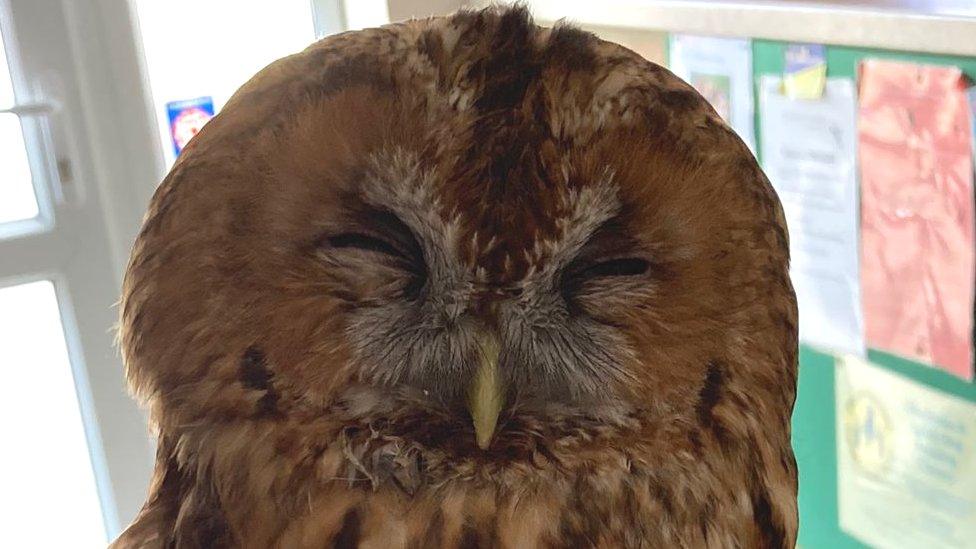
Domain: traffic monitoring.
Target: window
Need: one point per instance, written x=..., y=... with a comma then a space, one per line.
x=199, y=53
x=76, y=453
x=77, y=164
x=45, y=468
x=17, y=200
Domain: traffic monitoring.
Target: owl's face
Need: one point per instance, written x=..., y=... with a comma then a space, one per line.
x=480, y=233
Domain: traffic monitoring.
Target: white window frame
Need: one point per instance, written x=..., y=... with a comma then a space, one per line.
x=94, y=164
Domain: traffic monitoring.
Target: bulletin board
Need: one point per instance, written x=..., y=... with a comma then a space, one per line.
x=814, y=418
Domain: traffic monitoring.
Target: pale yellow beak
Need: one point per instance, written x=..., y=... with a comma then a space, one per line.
x=486, y=396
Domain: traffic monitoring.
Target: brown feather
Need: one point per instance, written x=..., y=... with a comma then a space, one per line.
x=309, y=392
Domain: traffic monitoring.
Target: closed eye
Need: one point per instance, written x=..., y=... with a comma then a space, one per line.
x=410, y=261
x=575, y=277
x=363, y=242
x=626, y=266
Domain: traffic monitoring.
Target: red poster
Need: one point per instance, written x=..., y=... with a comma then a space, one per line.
x=917, y=213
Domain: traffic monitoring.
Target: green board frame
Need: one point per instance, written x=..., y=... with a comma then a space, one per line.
x=814, y=421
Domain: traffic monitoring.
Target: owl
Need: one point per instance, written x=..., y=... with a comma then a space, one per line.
x=465, y=282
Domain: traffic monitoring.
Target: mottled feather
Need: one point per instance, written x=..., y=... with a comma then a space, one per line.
x=303, y=307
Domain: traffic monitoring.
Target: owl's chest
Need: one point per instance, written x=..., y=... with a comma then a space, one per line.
x=606, y=509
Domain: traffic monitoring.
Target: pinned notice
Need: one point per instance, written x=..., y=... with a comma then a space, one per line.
x=917, y=213
x=721, y=70
x=809, y=152
x=906, y=460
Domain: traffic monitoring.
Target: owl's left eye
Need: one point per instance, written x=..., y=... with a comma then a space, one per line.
x=578, y=274
x=625, y=266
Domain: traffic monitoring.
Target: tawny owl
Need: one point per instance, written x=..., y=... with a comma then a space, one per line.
x=465, y=282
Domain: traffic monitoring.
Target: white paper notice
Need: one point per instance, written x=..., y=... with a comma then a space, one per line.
x=721, y=70
x=906, y=460
x=809, y=154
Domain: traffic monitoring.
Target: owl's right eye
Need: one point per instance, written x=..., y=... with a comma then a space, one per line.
x=362, y=242
x=403, y=253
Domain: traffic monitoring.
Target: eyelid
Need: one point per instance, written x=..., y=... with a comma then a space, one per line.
x=362, y=241
x=405, y=259
x=617, y=266
x=386, y=226
x=580, y=272
x=623, y=266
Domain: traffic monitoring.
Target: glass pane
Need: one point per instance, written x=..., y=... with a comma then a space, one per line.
x=199, y=53
x=17, y=199
x=48, y=496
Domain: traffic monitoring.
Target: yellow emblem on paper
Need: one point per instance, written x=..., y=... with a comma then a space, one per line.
x=868, y=431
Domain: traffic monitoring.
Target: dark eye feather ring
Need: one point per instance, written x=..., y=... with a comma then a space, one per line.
x=624, y=266
x=360, y=241
x=364, y=242
x=369, y=243
x=621, y=266
x=575, y=276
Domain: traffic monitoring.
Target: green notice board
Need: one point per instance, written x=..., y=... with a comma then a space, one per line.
x=814, y=433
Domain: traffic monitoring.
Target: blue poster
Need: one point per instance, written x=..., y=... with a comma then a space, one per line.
x=186, y=119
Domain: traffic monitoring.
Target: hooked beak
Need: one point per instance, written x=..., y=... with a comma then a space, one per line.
x=486, y=395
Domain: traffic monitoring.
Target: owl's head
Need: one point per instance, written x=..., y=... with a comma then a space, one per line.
x=465, y=232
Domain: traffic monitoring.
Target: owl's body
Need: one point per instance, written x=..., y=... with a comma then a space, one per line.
x=465, y=282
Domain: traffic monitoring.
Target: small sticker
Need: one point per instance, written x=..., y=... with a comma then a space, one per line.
x=806, y=71
x=186, y=119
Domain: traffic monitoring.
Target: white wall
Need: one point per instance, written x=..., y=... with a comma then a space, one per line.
x=405, y=9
